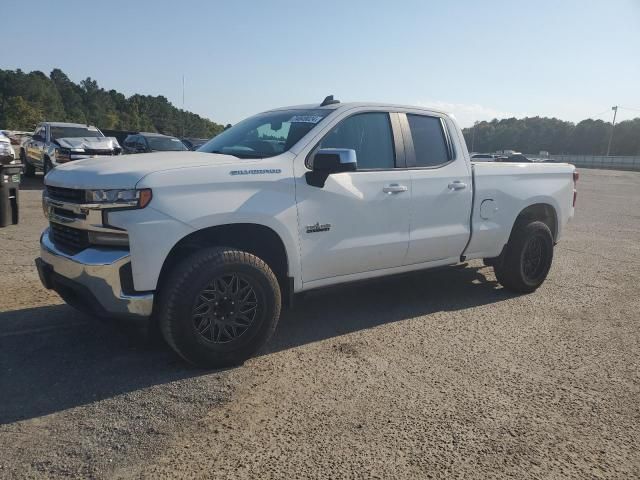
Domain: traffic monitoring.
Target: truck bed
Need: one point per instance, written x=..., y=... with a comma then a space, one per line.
x=502, y=191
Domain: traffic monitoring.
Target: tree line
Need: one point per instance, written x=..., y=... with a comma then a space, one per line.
x=29, y=98
x=534, y=134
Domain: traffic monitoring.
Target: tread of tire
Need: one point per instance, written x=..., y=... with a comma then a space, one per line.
x=507, y=270
x=176, y=279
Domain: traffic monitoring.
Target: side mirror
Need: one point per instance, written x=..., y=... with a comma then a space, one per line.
x=327, y=161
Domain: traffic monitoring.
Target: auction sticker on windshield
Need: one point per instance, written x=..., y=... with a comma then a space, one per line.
x=306, y=119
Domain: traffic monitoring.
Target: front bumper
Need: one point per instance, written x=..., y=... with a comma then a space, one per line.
x=91, y=280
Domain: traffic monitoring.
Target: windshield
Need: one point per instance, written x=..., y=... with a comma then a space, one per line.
x=74, y=132
x=265, y=135
x=166, y=144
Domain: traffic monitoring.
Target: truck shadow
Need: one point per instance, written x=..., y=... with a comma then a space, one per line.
x=343, y=309
x=53, y=358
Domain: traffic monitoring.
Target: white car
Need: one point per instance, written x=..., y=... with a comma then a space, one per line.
x=211, y=244
x=7, y=154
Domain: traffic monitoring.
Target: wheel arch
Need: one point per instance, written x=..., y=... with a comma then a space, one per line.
x=543, y=212
x=260, y=240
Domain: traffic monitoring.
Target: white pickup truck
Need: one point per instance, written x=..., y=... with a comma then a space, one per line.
x=210, y=244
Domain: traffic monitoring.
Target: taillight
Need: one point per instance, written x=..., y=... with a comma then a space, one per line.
x=576, y=176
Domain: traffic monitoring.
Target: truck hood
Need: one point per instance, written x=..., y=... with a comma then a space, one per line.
x=125, y=171
x=93, y=143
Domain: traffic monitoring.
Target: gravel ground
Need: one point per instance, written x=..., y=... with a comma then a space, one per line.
x=429, y=375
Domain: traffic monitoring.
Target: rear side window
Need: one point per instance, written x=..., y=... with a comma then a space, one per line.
x=429, y=141
x=369, y=134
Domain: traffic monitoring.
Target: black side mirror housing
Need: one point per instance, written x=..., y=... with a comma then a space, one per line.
x=327, y=161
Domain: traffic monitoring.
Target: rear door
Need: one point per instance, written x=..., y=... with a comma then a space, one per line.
x=441, y=189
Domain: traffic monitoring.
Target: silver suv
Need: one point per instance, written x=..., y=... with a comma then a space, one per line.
x=54, y=143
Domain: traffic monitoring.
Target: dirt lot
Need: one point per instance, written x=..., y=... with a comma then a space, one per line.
x=436, y=374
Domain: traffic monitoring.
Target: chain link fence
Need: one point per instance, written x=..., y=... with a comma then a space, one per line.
x=597, y=161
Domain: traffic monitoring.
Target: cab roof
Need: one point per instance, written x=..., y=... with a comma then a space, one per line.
x=351, y=105
x=65, y=124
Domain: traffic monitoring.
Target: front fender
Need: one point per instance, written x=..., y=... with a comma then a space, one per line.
x=210, y=196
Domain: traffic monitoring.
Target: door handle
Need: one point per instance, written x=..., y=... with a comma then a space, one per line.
x=457, y=185
x=394, y=188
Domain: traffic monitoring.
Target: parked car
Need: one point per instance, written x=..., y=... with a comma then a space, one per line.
x=119, y=135
x=211, y=244
x=7, y=153
x=194, y=143
x=516, y=158
x=15, y=136
x=152, y=142
x=483, y=157
x=55, y=143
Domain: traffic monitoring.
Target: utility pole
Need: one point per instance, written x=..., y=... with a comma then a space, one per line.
x=183, y=112
x=615, y=112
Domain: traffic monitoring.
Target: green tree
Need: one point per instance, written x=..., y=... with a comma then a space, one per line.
x=20, y=115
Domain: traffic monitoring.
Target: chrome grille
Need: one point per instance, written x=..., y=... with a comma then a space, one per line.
x=69, y=240
x=65, y=194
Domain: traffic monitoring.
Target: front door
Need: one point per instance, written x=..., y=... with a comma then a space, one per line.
x=359, y=221
x=35, y=146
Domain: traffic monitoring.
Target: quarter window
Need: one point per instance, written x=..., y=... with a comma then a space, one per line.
x=369, y=134
x=429, y=142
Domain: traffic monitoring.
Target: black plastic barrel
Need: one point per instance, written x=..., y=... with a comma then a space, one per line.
x=9, y=193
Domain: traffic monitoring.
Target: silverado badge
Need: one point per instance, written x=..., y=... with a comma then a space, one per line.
x=324, y=227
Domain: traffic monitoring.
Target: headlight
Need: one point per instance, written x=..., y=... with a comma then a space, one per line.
x=63, y=155
x=126, y=198
x=5, y=149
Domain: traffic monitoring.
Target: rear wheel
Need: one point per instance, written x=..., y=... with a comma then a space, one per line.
x=29, y=170
x=219, y=306
x=527, y=258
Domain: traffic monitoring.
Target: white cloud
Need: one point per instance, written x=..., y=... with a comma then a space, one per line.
x=468, y=113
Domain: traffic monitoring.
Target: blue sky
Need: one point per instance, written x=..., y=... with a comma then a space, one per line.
x=479, y=59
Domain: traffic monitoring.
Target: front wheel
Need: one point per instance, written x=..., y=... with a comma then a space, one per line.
x=527, y=258
x=219, y=306
x=48, y=166
x=29, y=170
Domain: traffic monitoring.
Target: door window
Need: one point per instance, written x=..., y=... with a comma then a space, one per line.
x=39, y=134
x=130, y=141
x=141, y=143
x=429, y=142
x=369, y=134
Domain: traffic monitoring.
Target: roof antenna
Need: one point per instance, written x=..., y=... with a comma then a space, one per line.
x=328, y=100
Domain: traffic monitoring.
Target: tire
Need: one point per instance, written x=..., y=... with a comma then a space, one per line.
x=527, y=258
x=29, y=170
x=201, y=290
x=47, y=165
